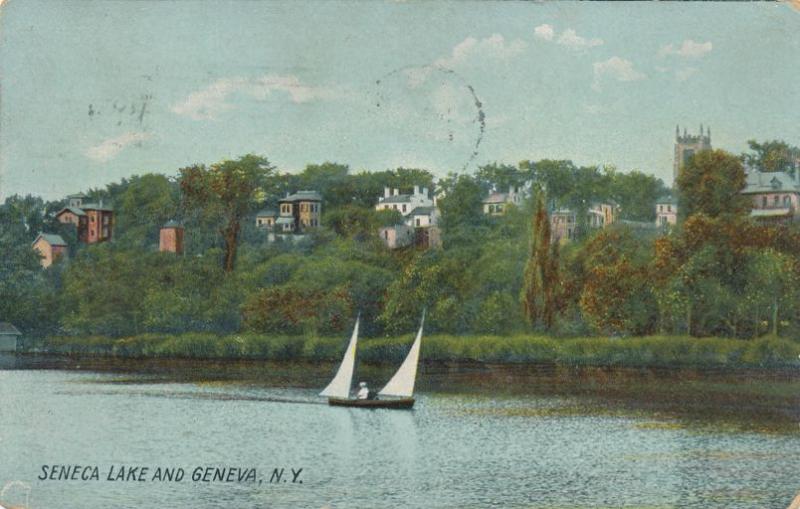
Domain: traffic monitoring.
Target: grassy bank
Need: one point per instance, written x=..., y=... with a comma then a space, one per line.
x=596, y=351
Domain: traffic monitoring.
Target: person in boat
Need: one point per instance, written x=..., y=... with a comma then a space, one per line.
x=363, y=391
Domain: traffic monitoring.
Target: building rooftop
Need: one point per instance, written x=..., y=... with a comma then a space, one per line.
x=422, y=211
x=667, y=200
x=395, y=198
x=496, y=198
x=302, y=196
x=172, y=224
x=284, y=220
x=96, y=206
x=766, y=182
x=50, y=238
x=8, y=329
x=77, y=195
x=76, y=211
x=267, y=213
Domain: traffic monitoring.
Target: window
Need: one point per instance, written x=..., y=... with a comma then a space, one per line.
x=669, y=208
x=92, y=218
x=404, y=207
x=105, y=219
x=417, y=221
x=776, y=199
x=386, y=234
x=763, y=201
x=787, y=201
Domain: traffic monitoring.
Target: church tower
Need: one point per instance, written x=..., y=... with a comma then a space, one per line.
x=685, y=147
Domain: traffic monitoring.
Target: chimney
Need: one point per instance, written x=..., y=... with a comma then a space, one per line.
x=396, y=192
x=386, y=192
x=416, y=189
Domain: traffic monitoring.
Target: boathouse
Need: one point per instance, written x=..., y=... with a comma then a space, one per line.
x=9, y=336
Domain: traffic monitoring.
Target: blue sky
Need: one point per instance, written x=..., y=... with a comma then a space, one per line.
x=96, y=91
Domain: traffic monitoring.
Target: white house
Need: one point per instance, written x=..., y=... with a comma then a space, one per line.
x=496, y=203
x=404, y=203
x=666, y=212
x=420, y=219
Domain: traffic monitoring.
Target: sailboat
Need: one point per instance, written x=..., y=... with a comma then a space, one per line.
x=397, y=393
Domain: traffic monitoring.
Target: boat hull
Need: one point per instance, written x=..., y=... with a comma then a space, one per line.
x=402, y=403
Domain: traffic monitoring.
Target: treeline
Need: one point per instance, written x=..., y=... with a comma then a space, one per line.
x=716, y=274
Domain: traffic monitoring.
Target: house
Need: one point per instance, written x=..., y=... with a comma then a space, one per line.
x=170, y=237
x=563, y=221
x=404, y=203
x=775, y=195
x=420, y=219
x=397, y=236
x=51, y=247
x=299, y=211
x=94, y=221
x=496, y=203
x=266, y=218
x=9, y=337
x=667, y=211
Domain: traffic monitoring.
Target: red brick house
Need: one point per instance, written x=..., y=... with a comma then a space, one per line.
x=94, y=222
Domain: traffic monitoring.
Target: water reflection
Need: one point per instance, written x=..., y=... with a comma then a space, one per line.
x=532, y=436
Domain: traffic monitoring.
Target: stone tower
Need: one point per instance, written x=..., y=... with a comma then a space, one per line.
x=686, y=146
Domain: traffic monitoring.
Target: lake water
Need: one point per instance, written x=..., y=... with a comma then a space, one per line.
x=479, y=436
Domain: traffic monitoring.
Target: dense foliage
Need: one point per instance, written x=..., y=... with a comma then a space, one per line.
x=717, y=273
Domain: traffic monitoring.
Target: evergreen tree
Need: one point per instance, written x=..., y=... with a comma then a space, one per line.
x=539, y=291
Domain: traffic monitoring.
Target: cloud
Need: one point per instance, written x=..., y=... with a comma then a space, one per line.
x=688, y=49
x=569, y=38
x=685, y=73
x=493, y=47
x=616, y=68
x=545, y=32
x=208, y=103
x=572, y=40
x=109, y=148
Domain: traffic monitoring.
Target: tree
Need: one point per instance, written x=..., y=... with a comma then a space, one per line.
x=636, y=192
x=143, y=207
x=711, y=183
x=772, y=282
x=499, y=177
x=228, y=190
x=772, y=156
x=540, y=280
x=616, y=296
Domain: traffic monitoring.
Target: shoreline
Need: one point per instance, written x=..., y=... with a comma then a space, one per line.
x=645, y=352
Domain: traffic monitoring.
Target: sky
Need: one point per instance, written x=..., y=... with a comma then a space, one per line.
x=91, y=92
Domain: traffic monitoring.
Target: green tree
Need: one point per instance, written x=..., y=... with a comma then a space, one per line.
x=229, y=191
x=711, y=183
x=774, y=155
x=772, y=283
x=143, y=207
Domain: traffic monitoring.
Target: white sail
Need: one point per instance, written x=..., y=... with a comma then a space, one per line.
x=340, y=385
x=402, y=383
